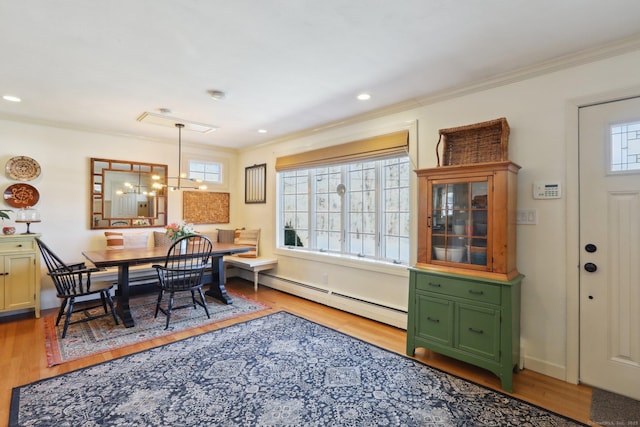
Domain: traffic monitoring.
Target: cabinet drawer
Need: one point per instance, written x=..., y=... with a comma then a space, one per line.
x=17, y=245
x=475, y=291
x=478, y=331
x=434, y=319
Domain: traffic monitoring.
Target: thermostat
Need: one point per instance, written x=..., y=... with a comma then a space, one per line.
x=547, y=190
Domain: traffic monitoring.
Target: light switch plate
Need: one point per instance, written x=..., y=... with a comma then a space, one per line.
x=527, y=216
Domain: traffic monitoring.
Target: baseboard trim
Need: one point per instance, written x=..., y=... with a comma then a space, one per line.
x=545, y=368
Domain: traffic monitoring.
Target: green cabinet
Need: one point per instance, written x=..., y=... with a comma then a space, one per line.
x=473, y=319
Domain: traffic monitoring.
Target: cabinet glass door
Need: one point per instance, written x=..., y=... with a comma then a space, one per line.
x=459, y=222
x=477, y=249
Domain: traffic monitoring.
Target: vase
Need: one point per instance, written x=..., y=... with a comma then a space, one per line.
x=183, y=246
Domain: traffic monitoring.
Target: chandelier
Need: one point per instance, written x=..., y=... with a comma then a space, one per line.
x=142, y=188
x=182, y=181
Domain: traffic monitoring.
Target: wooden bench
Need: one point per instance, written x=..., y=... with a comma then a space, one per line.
x=256, y=265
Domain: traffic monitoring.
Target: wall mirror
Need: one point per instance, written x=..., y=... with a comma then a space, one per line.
x=128, y=194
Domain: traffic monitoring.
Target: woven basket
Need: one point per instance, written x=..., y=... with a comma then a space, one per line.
x=478, y=143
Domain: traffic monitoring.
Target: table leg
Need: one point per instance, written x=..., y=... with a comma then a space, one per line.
x=122, y=303
x=217, y=290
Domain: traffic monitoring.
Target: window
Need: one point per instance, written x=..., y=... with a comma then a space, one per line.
x=360, y=208
x=625, y=147
x=205, y=171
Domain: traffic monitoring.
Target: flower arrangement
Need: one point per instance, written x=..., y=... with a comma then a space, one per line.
x=4, y=214
x=176, y=230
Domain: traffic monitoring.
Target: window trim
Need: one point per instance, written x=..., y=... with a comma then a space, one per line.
x=380, y=246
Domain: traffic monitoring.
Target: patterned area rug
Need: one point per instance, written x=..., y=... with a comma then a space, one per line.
x=271, y=371
x=102, y=334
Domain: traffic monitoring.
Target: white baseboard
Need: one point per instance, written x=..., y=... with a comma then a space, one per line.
x=545, y=368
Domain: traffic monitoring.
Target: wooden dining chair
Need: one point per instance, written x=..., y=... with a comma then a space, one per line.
x=183, y=270
x=73, y=281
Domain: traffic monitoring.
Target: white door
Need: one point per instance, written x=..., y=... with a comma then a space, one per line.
x=609, y=144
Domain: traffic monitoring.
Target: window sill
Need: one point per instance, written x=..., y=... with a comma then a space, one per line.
x=347, y=261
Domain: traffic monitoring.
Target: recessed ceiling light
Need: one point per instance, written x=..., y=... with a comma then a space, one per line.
x=11, y=98
x=216, y=94
x=262, y=131
x=364, y=97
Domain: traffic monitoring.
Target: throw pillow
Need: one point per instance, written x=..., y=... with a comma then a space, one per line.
x=212, y=235
x=136, y=240
x=161, y=239
x=114, y=240
x=248, y=237
x=226, y=236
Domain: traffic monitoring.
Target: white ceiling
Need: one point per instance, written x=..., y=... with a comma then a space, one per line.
x=286, y=65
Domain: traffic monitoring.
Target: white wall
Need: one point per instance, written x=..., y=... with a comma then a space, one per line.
x=541, y=111
x=64, y=156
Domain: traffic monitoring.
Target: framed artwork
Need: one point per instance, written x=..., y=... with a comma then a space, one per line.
x=203, y=207
x=255, y=184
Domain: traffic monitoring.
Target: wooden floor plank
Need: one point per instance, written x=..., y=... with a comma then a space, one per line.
x=23, y=359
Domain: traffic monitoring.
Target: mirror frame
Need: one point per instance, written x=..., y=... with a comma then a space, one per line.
x=99, y=167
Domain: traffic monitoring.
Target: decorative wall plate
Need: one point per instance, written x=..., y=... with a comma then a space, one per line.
x=21, y=195
x=22, y=168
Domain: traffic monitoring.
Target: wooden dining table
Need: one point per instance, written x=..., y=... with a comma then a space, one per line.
x=124, y=258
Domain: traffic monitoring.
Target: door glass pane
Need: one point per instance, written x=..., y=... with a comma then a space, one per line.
x=459, y=195
x=449, y=216
x=459, y=222
x=625, y=147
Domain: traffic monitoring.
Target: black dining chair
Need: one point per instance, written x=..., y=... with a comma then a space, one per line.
x=73, y=281
x=183, y=270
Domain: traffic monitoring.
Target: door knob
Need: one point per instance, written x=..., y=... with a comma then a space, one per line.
x=590, y=267
x=590, y=247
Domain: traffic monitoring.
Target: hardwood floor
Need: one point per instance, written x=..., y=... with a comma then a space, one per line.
x=23, y=360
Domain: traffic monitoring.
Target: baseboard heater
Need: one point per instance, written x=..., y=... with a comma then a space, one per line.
x=386, y=307
x=334, y=294
x=300, y=284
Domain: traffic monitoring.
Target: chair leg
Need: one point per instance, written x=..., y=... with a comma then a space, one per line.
x=103, y=298
x=169, y=310
x=110, y=302
x=61, y=311
x=158, y=303
x=193, y=299
x=67, y=319
x=204, y=303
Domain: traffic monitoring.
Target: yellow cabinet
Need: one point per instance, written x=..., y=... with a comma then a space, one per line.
x=19, y=273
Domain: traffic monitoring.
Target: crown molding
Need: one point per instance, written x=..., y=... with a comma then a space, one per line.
x=609, y=50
